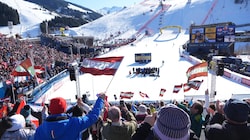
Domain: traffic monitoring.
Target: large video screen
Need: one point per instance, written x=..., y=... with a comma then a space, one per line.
x=225, y=33
x=143, y=57
x=210, y=34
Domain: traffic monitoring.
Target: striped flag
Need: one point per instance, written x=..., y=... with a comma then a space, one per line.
x=143, y=95
x=126, y=95
x=162, y=91
x=101, y=66
x=197, y=70
x=186, y=87
x=195, y=84
x=177, y=88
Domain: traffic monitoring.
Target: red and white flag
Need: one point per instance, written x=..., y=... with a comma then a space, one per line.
x=195, y=84
x=162, y=91
x=177, y=88
x=143, y=95
x=186, y=87
x=28, y=66
x=197, y=70
x=101, y=66
x=126, y=95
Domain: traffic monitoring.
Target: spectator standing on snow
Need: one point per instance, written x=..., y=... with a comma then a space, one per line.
x=235, y=127
x=59, y=126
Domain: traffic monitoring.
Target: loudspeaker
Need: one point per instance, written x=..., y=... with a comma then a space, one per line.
x=220, y=70
x=72, y=74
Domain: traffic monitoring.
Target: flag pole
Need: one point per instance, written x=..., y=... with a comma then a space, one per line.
x=93, y=88
x=13, y=93
x=112, y=79
x=110, y=83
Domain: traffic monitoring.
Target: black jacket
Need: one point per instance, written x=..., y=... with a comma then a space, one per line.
x=144, y=132
x=227, y=131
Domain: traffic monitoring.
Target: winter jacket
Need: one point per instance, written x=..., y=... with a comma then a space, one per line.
x=17, y=129
x=20, y=134
x=124, y=131
x=62, y=127
x=227, y=131
x=144, y=132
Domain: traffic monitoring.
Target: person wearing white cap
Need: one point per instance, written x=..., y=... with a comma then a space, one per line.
x=17, y=130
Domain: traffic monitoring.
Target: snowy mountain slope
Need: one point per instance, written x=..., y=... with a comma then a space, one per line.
x=131, y=19
x=31, y=15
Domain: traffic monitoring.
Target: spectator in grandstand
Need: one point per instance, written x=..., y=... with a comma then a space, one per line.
x=116, y=128
x=79, y=110
x=195, y=112
x=235, y=127
x=5, y=123
x=196, y=117
x=141, y=113
x=210, y=113
x=217, y=116
x=59, y=126
x=95, y=129
x=171, y=122
x=17, y=129
x=26, y=112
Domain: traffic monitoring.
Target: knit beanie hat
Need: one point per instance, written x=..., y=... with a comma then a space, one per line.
x=17, y=122
x=172, y=123
x=57, y=105
x=236, y=110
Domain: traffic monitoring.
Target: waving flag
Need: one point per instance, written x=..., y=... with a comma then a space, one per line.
x=20, y=71
x=143, y=95
x=195, y=84
x=28, y=66
x=177, y=88
x=101, y=66
x=186, y=87
x=197, y=71
x=126, y=95
x=162, y=91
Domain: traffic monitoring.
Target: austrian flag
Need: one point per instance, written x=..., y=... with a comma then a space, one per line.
x=143, y=95
x=126, y=95
x=177, y=88
x=162, y=91
x=197, y=71
x=101, y=66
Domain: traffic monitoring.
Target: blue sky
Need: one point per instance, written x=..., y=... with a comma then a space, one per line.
x=98, y=4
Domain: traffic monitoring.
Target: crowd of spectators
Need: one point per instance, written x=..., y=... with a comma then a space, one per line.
x=13, y=51
x=160, y=120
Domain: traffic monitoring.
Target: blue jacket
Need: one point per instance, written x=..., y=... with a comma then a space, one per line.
x=68, y=128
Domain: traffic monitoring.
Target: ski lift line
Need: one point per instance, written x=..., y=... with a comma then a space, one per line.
x=209, y=12
x=165, y=7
